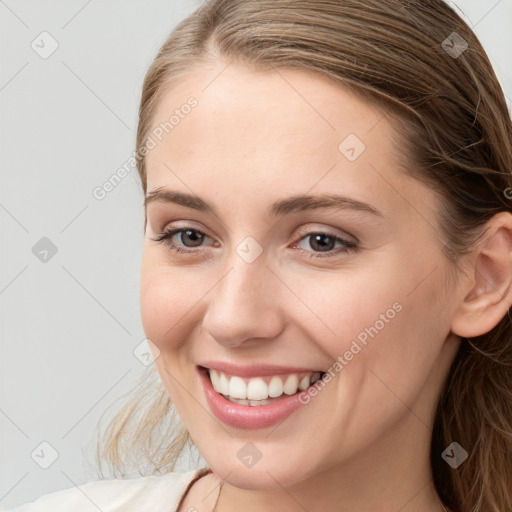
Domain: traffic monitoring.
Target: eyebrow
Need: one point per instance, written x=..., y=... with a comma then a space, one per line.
x=280, y=207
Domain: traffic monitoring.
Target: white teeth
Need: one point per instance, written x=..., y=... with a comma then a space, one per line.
x=256, y=391
x=248, y=402
x=214, y=377
x=237, y=388
x=291, y=384
x=223, y=384
x=304, y=383
x=275, y=387
x=258, y=402
x=237, y=401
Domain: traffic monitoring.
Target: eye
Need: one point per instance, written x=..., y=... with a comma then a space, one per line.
x=188, y=239
x=324, y=242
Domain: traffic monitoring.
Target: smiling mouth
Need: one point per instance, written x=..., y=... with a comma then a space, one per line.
x=257, y=391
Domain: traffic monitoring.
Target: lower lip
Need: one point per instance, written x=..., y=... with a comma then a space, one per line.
x=247, y=416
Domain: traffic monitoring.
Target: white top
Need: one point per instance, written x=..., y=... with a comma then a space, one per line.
x=144, y=494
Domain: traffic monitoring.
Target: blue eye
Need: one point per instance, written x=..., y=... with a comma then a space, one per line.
x=322, y=243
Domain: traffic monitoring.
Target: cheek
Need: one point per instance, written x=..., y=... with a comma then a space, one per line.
x=168, y=315
x=336, y=309
x=386, y=317
x=168, y=297
x=401, y=330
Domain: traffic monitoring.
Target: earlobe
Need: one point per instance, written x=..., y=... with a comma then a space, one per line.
x=488, y=294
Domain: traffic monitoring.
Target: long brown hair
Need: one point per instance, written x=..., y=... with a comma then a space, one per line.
x=422, y=64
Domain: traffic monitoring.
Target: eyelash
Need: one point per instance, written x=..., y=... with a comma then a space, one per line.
x=348, y=246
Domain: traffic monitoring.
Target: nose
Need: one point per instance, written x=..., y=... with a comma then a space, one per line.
x=244, y=306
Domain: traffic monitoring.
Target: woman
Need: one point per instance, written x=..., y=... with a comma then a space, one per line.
x=326, y=273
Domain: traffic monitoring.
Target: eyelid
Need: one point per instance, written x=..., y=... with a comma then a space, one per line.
x=304, y=231
x=184, y=225
x=169, y=232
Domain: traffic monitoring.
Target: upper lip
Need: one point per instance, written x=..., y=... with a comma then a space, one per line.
x=254, y=370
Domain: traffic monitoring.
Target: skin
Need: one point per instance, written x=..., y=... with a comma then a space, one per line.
x=363, y=443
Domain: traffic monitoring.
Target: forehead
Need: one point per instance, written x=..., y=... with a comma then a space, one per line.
x=253, y=107
x=257, y=132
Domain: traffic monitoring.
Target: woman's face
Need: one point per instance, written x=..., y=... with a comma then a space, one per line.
x=279, y=281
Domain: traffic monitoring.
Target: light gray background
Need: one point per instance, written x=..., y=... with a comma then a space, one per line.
x=69, y=325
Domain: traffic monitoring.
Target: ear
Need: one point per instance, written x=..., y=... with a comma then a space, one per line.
x=487, y=286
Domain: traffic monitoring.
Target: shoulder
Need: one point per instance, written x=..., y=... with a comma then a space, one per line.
x=135, y=494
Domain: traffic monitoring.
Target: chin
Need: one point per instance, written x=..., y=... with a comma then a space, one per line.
x=271, y=471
